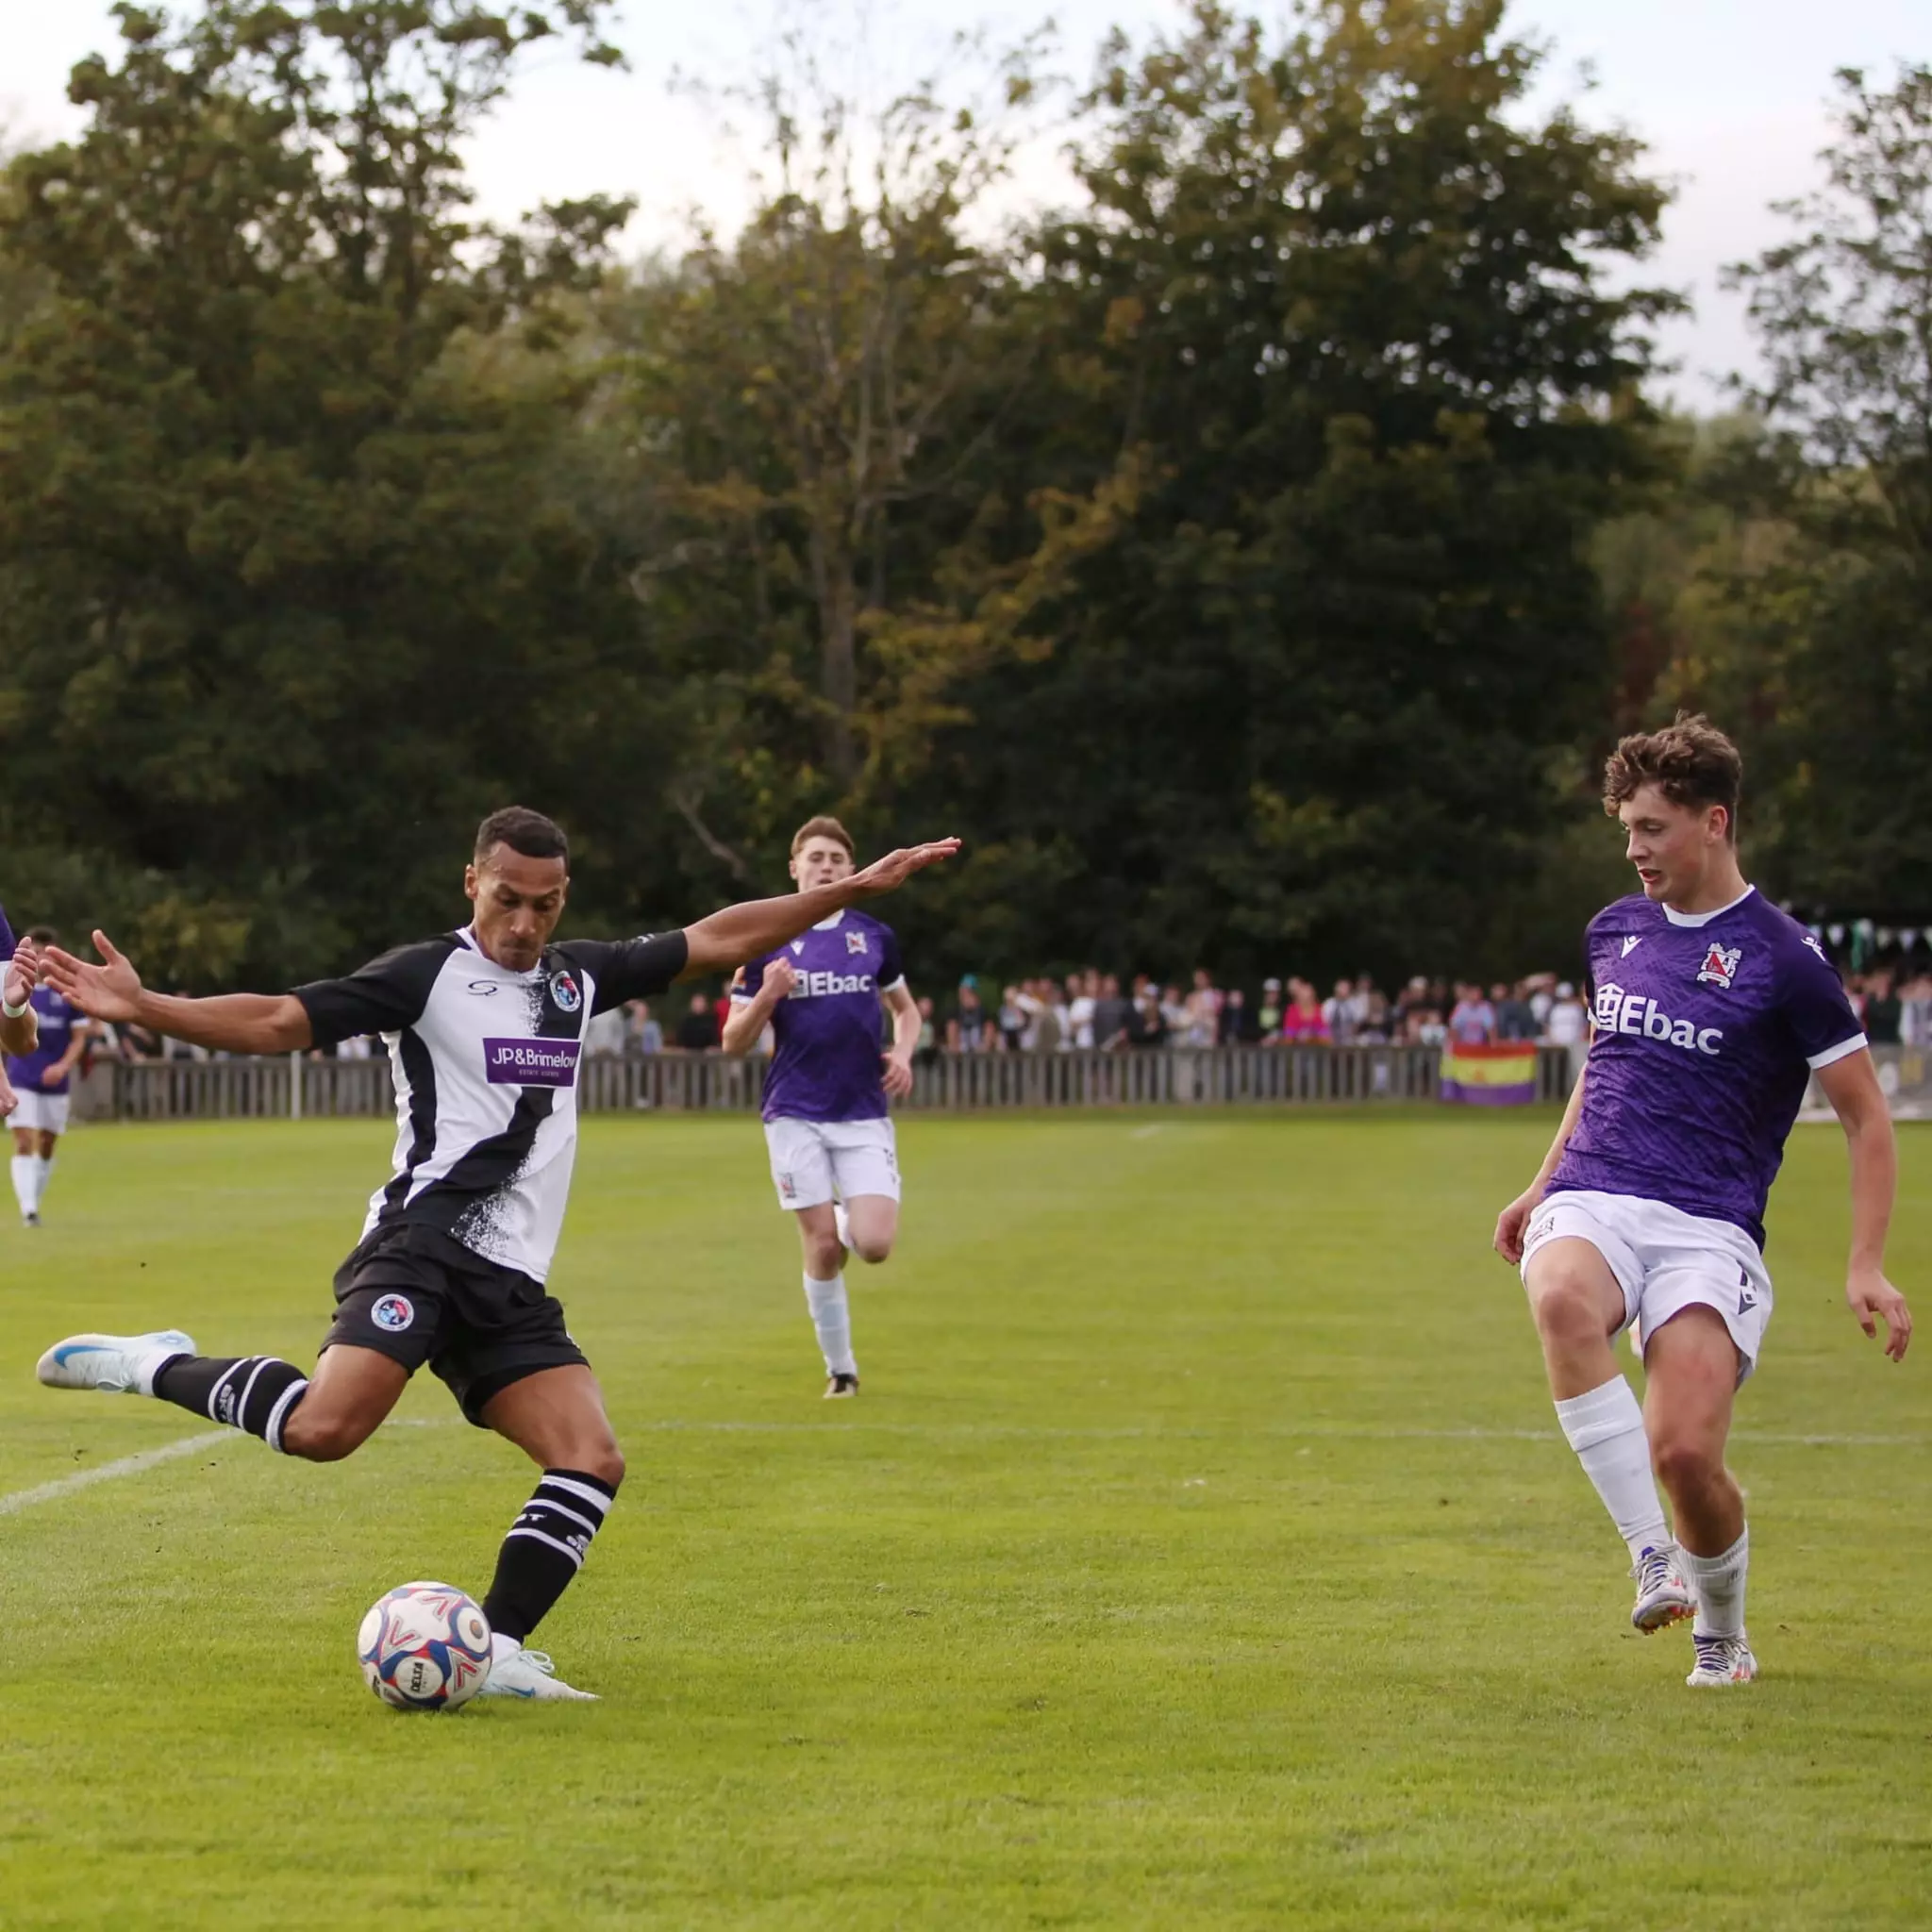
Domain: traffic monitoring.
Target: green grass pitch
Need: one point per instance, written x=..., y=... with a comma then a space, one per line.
x=1201, y=1552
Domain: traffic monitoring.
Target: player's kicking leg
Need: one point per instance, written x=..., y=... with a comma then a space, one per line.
x=1578, y=1305
x=557, y=1418
x=1691, y=1363
x=321, y=1418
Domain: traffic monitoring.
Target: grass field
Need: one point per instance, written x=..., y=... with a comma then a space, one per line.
x=1202, y=1552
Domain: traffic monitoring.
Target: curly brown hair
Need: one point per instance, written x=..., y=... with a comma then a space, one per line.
x=1690, y=761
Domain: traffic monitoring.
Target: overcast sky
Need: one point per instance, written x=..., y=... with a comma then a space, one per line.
x=1729, y=93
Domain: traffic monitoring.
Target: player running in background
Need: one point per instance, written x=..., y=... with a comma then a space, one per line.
x=828, y=1126
x=43, y=1079
x=19, y=1026
x=1712, y=1010
x=485, y=1029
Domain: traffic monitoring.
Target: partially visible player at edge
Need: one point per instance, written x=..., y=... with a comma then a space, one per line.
x=485, y=1029
x=1711, y=1010
x=19, y=1026
x=42, y=1080
x=827, y=1127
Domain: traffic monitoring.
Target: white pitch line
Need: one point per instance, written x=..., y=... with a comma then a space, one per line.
x=127, y=1465
x=1340, y=1433
x=149, y=1458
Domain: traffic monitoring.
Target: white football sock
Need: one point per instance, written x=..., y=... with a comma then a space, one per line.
x=44, y=1172
x=1719, y=1582
x=833, y=1322
x=1606, y=1429
x=23, y=1180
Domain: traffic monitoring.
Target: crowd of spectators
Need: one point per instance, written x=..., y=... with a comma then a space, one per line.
x=1095, y=1009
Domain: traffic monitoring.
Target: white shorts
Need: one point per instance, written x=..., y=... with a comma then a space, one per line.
x=44, y=1112
x=1665, y=1260
x=812, y=1162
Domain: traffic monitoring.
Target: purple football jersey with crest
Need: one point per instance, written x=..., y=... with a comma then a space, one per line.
x=826, y=1065
x=58, y=1020
x=1706, y=1030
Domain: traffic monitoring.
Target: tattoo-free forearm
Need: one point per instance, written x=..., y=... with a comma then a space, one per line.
x=1874, y=1185
x=741, y=933
x=230, y=1023
x=20, y=1036
x=1553, y=1159
x=745, y=1023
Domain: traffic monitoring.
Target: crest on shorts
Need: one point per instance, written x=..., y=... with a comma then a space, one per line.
x=855, y=942
x=1719, y=966
x=563, y=990
x=394, y=1313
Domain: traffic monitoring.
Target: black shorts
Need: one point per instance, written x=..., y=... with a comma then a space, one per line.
x=417, y=1297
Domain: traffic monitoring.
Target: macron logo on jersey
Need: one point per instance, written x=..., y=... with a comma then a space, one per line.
x=812, y=986
x=1618, y=1012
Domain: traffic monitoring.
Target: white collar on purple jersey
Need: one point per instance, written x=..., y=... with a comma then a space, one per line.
x=1678, y=918
x=829, y=925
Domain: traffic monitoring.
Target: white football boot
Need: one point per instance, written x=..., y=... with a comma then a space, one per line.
x=528, y=1674
x=1663, y=1595
x=114, y=1364
x=1721, y=1661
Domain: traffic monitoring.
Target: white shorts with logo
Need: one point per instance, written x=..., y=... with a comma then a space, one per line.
x=814, y=1160
x=45, y=1113
x=1665, y=1260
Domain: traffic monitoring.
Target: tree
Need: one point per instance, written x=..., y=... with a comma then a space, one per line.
x=282, y=599
x=1829, y=659
x=809, y=405
x=1315, y=698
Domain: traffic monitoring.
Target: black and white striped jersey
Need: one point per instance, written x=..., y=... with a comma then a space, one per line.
x=486, y=1066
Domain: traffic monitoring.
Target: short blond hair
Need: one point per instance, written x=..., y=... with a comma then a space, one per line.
x=824, y=826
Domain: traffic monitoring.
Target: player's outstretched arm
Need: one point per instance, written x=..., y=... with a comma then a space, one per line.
x=1513, y=1221
x=20, y=1029
x=230, y=1023
x=1852, y=1087
x=740, y=933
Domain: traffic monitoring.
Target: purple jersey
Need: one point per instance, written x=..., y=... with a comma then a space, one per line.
x=1706, y=1027
x=28, y=1072
x=827, y=1065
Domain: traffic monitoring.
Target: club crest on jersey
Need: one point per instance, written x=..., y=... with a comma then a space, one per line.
x=855, y=942
x=393, y=1313
x=563, y=990
x=1719, y=966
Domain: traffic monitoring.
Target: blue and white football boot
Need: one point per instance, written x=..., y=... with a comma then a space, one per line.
x=114, y=1364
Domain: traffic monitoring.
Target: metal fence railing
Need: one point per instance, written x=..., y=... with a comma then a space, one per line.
x=293, y=1087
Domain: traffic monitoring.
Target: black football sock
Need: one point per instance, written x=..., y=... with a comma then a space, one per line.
x=253, y=1392
x=544, y=1549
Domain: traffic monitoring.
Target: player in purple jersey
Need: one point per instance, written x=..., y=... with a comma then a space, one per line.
x=19, y=1023
x=827, y=1123
x=42, y=1078
x=1713, y=1011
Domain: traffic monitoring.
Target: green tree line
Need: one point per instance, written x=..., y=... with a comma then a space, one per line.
x=1249, y=557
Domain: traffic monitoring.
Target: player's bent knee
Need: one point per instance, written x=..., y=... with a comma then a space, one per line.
x=871, y=1248
x=1684, y=1464
x=1568, y=1306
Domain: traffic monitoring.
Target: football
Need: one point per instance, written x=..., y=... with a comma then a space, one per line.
x=424, y=1646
